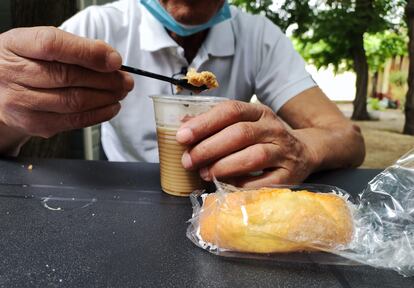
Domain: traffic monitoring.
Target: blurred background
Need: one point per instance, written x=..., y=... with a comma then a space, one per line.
x=358, y=51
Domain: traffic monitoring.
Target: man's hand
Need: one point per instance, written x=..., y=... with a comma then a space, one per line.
x=52, y=81
x=239, y=138
x=235, y=139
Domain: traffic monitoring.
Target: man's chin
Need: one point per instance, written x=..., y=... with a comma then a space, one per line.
x=191, y=12
x=188, y=17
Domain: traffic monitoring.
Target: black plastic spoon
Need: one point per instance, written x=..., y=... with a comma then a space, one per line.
x=179, y=82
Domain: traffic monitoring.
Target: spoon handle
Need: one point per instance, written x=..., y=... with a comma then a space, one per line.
x=148, y=74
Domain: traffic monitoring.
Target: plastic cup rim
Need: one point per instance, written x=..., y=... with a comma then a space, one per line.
x=187, y=99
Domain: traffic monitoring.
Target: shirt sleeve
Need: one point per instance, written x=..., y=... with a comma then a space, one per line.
x=281, y=70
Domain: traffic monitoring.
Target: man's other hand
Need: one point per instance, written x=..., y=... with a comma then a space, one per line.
x=53, y=81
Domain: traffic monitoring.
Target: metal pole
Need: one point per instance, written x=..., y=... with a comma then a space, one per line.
x=88, y=143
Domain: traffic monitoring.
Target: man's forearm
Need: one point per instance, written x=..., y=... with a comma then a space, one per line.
x=11, y=140
x=336, y=146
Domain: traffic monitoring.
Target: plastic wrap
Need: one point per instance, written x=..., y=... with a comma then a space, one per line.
x=382, y=218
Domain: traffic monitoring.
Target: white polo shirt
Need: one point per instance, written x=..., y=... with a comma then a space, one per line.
x=248, y=54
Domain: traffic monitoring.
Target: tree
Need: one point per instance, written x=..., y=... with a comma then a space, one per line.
x=289, y=12
x=339, y=27
x=261, y=7
x=409, y=102
x=332, y=33
x=26, y=13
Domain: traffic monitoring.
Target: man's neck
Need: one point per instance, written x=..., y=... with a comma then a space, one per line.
x=190, y=44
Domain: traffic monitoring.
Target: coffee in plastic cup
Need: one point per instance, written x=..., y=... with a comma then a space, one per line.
x=170, y=113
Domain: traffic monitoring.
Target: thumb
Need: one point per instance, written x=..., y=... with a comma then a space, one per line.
x=53, y=44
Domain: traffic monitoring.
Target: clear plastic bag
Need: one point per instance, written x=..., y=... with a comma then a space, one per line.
x=382, y=218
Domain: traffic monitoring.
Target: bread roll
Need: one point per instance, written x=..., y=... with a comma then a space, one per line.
x=263, y=221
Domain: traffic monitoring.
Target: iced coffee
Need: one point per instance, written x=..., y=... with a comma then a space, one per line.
x=170, y=113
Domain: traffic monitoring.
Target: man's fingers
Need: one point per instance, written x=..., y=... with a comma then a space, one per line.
x=52, y=44
x=253, y=158
x=67, y=100
x=89, y=118
x=219, y=117
x=47, y=124
x=268, y=178
x=42, y=74
x=225, y=142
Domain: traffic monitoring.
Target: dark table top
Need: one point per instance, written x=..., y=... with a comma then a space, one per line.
x=70, y=223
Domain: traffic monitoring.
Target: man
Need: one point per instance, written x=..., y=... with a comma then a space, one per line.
x=52, y=81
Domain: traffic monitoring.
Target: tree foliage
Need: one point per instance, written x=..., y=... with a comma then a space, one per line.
x=384, y=45
x=336, y=29
x=325, y=31
x=263, y=7
x=283, y=13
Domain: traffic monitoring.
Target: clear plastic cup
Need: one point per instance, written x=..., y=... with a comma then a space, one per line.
x=170, y=113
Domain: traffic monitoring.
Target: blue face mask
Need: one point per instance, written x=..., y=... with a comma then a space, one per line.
x=156, y=9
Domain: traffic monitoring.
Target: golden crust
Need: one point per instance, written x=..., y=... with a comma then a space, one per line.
x=264, y=220
x=201, y=78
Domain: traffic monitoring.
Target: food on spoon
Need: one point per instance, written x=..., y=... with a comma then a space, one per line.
x=272, y=220
x=199, y=79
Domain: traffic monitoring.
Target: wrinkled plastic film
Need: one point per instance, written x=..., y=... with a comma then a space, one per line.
x=384, y=220
x=382, y=217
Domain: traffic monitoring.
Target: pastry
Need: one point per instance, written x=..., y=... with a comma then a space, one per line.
x=199, y=79
x=271, y=220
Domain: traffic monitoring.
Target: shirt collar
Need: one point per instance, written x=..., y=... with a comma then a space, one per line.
x=220, y=41
x=153, y=36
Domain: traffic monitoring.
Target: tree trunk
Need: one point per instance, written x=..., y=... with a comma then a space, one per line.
x=409, y=102
x=361, y=69
x=374, y=84
x=27, y=13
